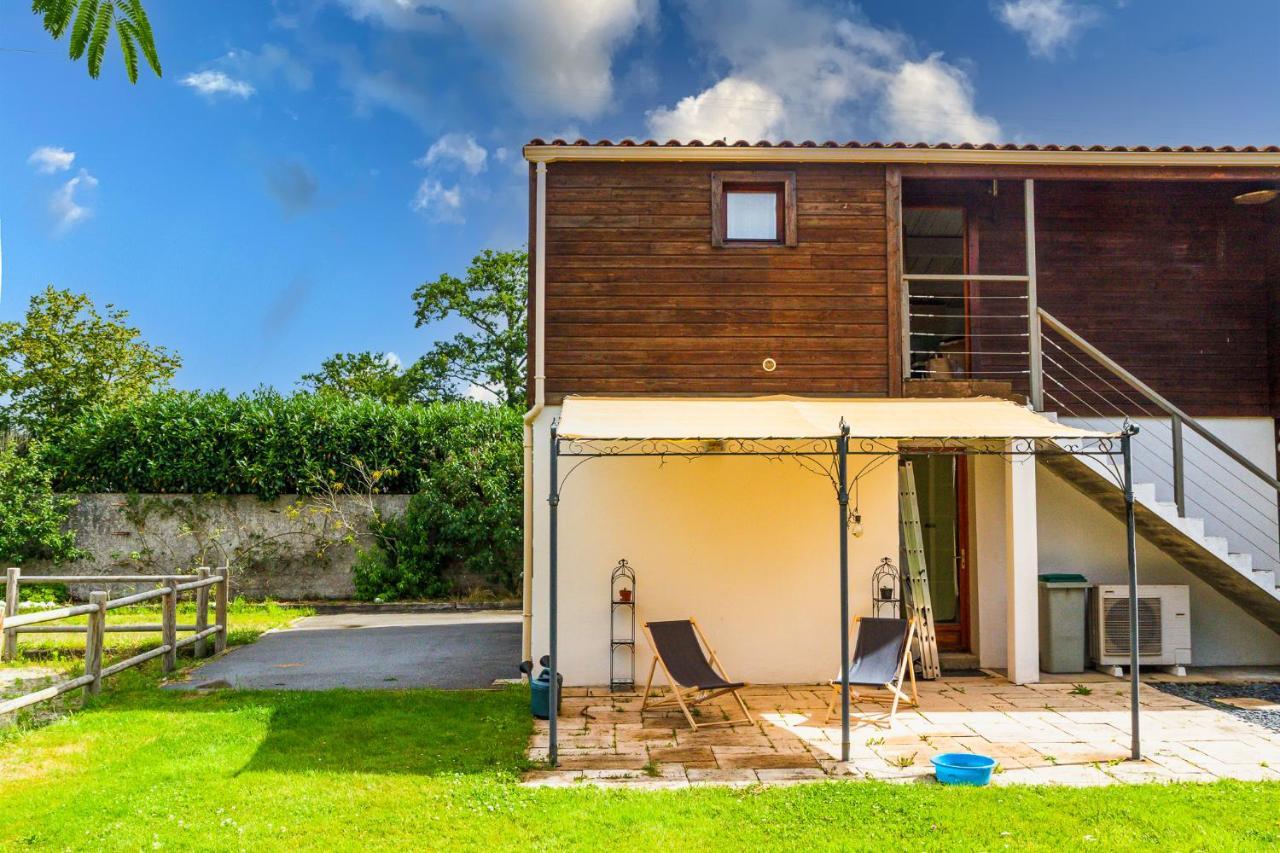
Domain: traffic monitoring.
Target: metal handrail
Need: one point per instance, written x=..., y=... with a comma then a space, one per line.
x=1178, y=416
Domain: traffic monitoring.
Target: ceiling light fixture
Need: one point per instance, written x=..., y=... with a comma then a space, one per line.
x=1256, y=196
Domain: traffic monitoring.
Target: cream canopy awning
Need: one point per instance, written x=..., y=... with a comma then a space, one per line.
x=783, y=417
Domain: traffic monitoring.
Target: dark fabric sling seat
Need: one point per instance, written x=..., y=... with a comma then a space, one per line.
x=881, y=659
x=878, y=652
x=680, y=650
x=694, y=672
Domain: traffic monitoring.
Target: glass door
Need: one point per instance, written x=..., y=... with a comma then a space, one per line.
x=941, y=490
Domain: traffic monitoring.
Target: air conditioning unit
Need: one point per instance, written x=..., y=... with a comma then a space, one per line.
x=1164, y=626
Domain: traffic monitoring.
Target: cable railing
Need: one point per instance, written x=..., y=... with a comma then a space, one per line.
x=989, y=327
x=1195, y=468
x=959, y=326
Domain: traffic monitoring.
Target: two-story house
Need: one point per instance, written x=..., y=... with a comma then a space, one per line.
x=678, y=286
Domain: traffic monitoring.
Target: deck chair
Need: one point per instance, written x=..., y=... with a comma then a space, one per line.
x=881, y=659
x=695, y=676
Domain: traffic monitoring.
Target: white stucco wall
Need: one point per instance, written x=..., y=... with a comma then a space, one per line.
x=1077, y=535
x=747, y=546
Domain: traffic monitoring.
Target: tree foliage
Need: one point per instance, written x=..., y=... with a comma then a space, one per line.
x=462, y=529
x=490, y=354
x=64, y=357
x=33, y=519
x=265, y=443
x=90, y=23
x=366, y=374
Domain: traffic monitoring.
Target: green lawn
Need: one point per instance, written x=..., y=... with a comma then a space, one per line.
x=146, y=769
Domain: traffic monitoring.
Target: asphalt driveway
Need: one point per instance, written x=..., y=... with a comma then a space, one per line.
x=364, y=651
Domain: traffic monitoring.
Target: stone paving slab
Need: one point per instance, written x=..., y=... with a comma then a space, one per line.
x=1064, y=733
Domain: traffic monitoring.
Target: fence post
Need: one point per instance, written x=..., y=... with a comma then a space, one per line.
x=202, y=610
x=1179, y=475
x=93, y=641
x=220, y=609
x=11, y=609
x=169, y=626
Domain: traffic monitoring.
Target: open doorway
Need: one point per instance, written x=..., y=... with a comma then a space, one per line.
x=934, y=243
x=942, y=496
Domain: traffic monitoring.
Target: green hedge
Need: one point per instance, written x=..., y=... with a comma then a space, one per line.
x=267, y=444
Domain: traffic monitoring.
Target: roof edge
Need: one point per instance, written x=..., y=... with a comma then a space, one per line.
x=538, y=151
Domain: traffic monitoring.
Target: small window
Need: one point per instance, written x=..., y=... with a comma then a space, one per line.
x=753, y=209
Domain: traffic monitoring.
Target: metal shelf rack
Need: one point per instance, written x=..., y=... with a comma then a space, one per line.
x=622, y=627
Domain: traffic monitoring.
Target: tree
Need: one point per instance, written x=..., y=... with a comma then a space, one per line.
x=90, y=23
x=364, y=374
x=490, y=357
x=64, y=355
x=33, y=520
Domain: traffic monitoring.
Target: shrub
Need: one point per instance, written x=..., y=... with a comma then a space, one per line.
x=33, y=520
x=462, y=528
x=266, y=444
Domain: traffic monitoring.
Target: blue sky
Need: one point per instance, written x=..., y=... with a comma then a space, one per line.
x=304, y=164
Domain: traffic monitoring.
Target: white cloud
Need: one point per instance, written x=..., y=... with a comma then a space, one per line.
x=214, y=83
x=438, y=202
x=397, y=14
x=823, y=75
x=731, y=109
x=460, y=148
x=266, y=64
x=556, y=55
x=392, y=360
x=933, y=101
x=48, y=159
x=480, y=395
x=64, y=204
x=1047, y=25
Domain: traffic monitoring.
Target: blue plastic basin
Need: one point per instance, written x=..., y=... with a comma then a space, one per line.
x=963, y=768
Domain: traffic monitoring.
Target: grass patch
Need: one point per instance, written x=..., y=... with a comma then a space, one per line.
x=150, y=769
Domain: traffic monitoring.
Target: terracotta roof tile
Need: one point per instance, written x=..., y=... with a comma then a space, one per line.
x=986, y=146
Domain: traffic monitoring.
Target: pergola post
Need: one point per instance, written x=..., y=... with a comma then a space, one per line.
x=1131, y=531
x=842, y=450
x=553, y=689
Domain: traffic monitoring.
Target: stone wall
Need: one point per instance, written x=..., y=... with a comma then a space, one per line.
x=291, y=548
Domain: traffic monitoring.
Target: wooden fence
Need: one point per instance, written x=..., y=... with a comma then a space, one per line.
x=202, y=583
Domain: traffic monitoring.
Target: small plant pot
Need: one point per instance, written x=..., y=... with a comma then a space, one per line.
x=624, y=595
x=886, y=593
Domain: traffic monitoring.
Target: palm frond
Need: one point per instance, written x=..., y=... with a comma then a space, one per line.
x=55, y=15
x=98, y=40
x=83, y=28
x=140, y=26
x=128, y=47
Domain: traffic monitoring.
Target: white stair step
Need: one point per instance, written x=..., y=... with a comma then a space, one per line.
x=1217, y=545
x=1145, y=492
x=1241, y=562
x=1193, y=527
x=1266, y=580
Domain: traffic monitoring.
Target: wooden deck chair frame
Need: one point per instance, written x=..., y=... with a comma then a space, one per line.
x=894, y=688
x=684, y=697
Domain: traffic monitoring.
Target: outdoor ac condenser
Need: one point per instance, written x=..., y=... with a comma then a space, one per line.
x=1164, y=626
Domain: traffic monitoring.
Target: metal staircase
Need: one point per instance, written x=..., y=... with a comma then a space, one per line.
x=1219, y=501
x=1182, y=538
x=1198, y=498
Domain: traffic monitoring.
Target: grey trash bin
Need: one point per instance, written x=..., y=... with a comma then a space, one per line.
x=1063, y=606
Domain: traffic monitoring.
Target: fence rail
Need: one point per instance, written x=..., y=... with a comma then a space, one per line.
x=203, y=583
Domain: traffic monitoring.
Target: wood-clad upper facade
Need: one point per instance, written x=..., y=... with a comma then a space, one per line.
x=1156, y=266
x=639, y=300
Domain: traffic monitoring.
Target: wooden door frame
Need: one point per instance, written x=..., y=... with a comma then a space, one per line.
x=968, y=250
x=957, y=636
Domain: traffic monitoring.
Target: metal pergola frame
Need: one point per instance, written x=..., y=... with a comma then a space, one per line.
x=830, y=456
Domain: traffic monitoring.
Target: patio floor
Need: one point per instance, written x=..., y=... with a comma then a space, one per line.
x=1071, y=733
